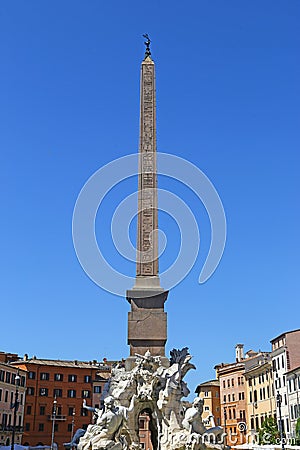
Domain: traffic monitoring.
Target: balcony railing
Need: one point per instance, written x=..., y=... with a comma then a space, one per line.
x=18, y=429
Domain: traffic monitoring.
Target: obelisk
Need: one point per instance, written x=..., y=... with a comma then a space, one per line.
x=147, y=320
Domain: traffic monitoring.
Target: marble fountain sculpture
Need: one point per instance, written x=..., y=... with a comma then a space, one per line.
x=149, y=387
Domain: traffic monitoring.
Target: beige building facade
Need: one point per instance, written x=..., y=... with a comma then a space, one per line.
x=293, y=388
x=261, y=402
x=11, y=387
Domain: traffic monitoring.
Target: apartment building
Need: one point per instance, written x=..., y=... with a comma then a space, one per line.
x=260, y=397
x=285, y=358
x=54, y=397
x=12, y=389
x=293, y=389
x=209, y=391
x=233, y=397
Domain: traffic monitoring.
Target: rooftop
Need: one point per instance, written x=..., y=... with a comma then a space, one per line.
x=62, y=363
x=207, y=384
x=283, y=334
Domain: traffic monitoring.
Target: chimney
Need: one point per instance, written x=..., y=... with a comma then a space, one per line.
x=239, y=352
x=25, y=357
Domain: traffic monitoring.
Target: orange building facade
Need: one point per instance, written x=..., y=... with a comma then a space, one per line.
x=233, y=398
x=209, y=391
x=54, y=398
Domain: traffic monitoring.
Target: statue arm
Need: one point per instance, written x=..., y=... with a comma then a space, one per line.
x=132, y=403
x=89, y=408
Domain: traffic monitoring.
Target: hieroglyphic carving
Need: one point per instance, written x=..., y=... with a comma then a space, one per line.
x=147, y=263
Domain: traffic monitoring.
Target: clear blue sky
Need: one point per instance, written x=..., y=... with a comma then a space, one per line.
x=227, y=100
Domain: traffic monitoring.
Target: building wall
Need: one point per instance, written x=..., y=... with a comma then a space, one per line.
x=7, y=399
x=233, y=402
x=210, y=393
x=293, y=387
x=293, y=349
x=285, y=357
x=144, y=432
x=70, y=383
x=260, y=395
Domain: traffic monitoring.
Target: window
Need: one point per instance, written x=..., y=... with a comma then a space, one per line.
x=2, y=375
x=28, y=409
x=70, y=427
x=224, y=385
x=87, y=378
x=7, y=377
x=97, y=389
x=206, y=408
x=205, y=393
x=84, y=412
x=217, y=394
x=250, y=382
x=282, y=361
x=232, y=382
x=43, y=392
x=218, y=421
x=27, y=426
x=21, y=399
x=233, y=412
x=6, y=396
x=224, y=399
x=229, y=397
x=292, y=412
x=41, y=427
x=0, y=395
x=228, y=383
x=57, y=392
x=42, y=410
x=31, y=375
x=72, y=378
x=71, y=411
x=71, y=393
x=56, y=427
x=233, y=397
x=239, y=381
x=23, y=381
x=85, y=394
x=4, y=419
x=44, y=376
x=58, y=377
